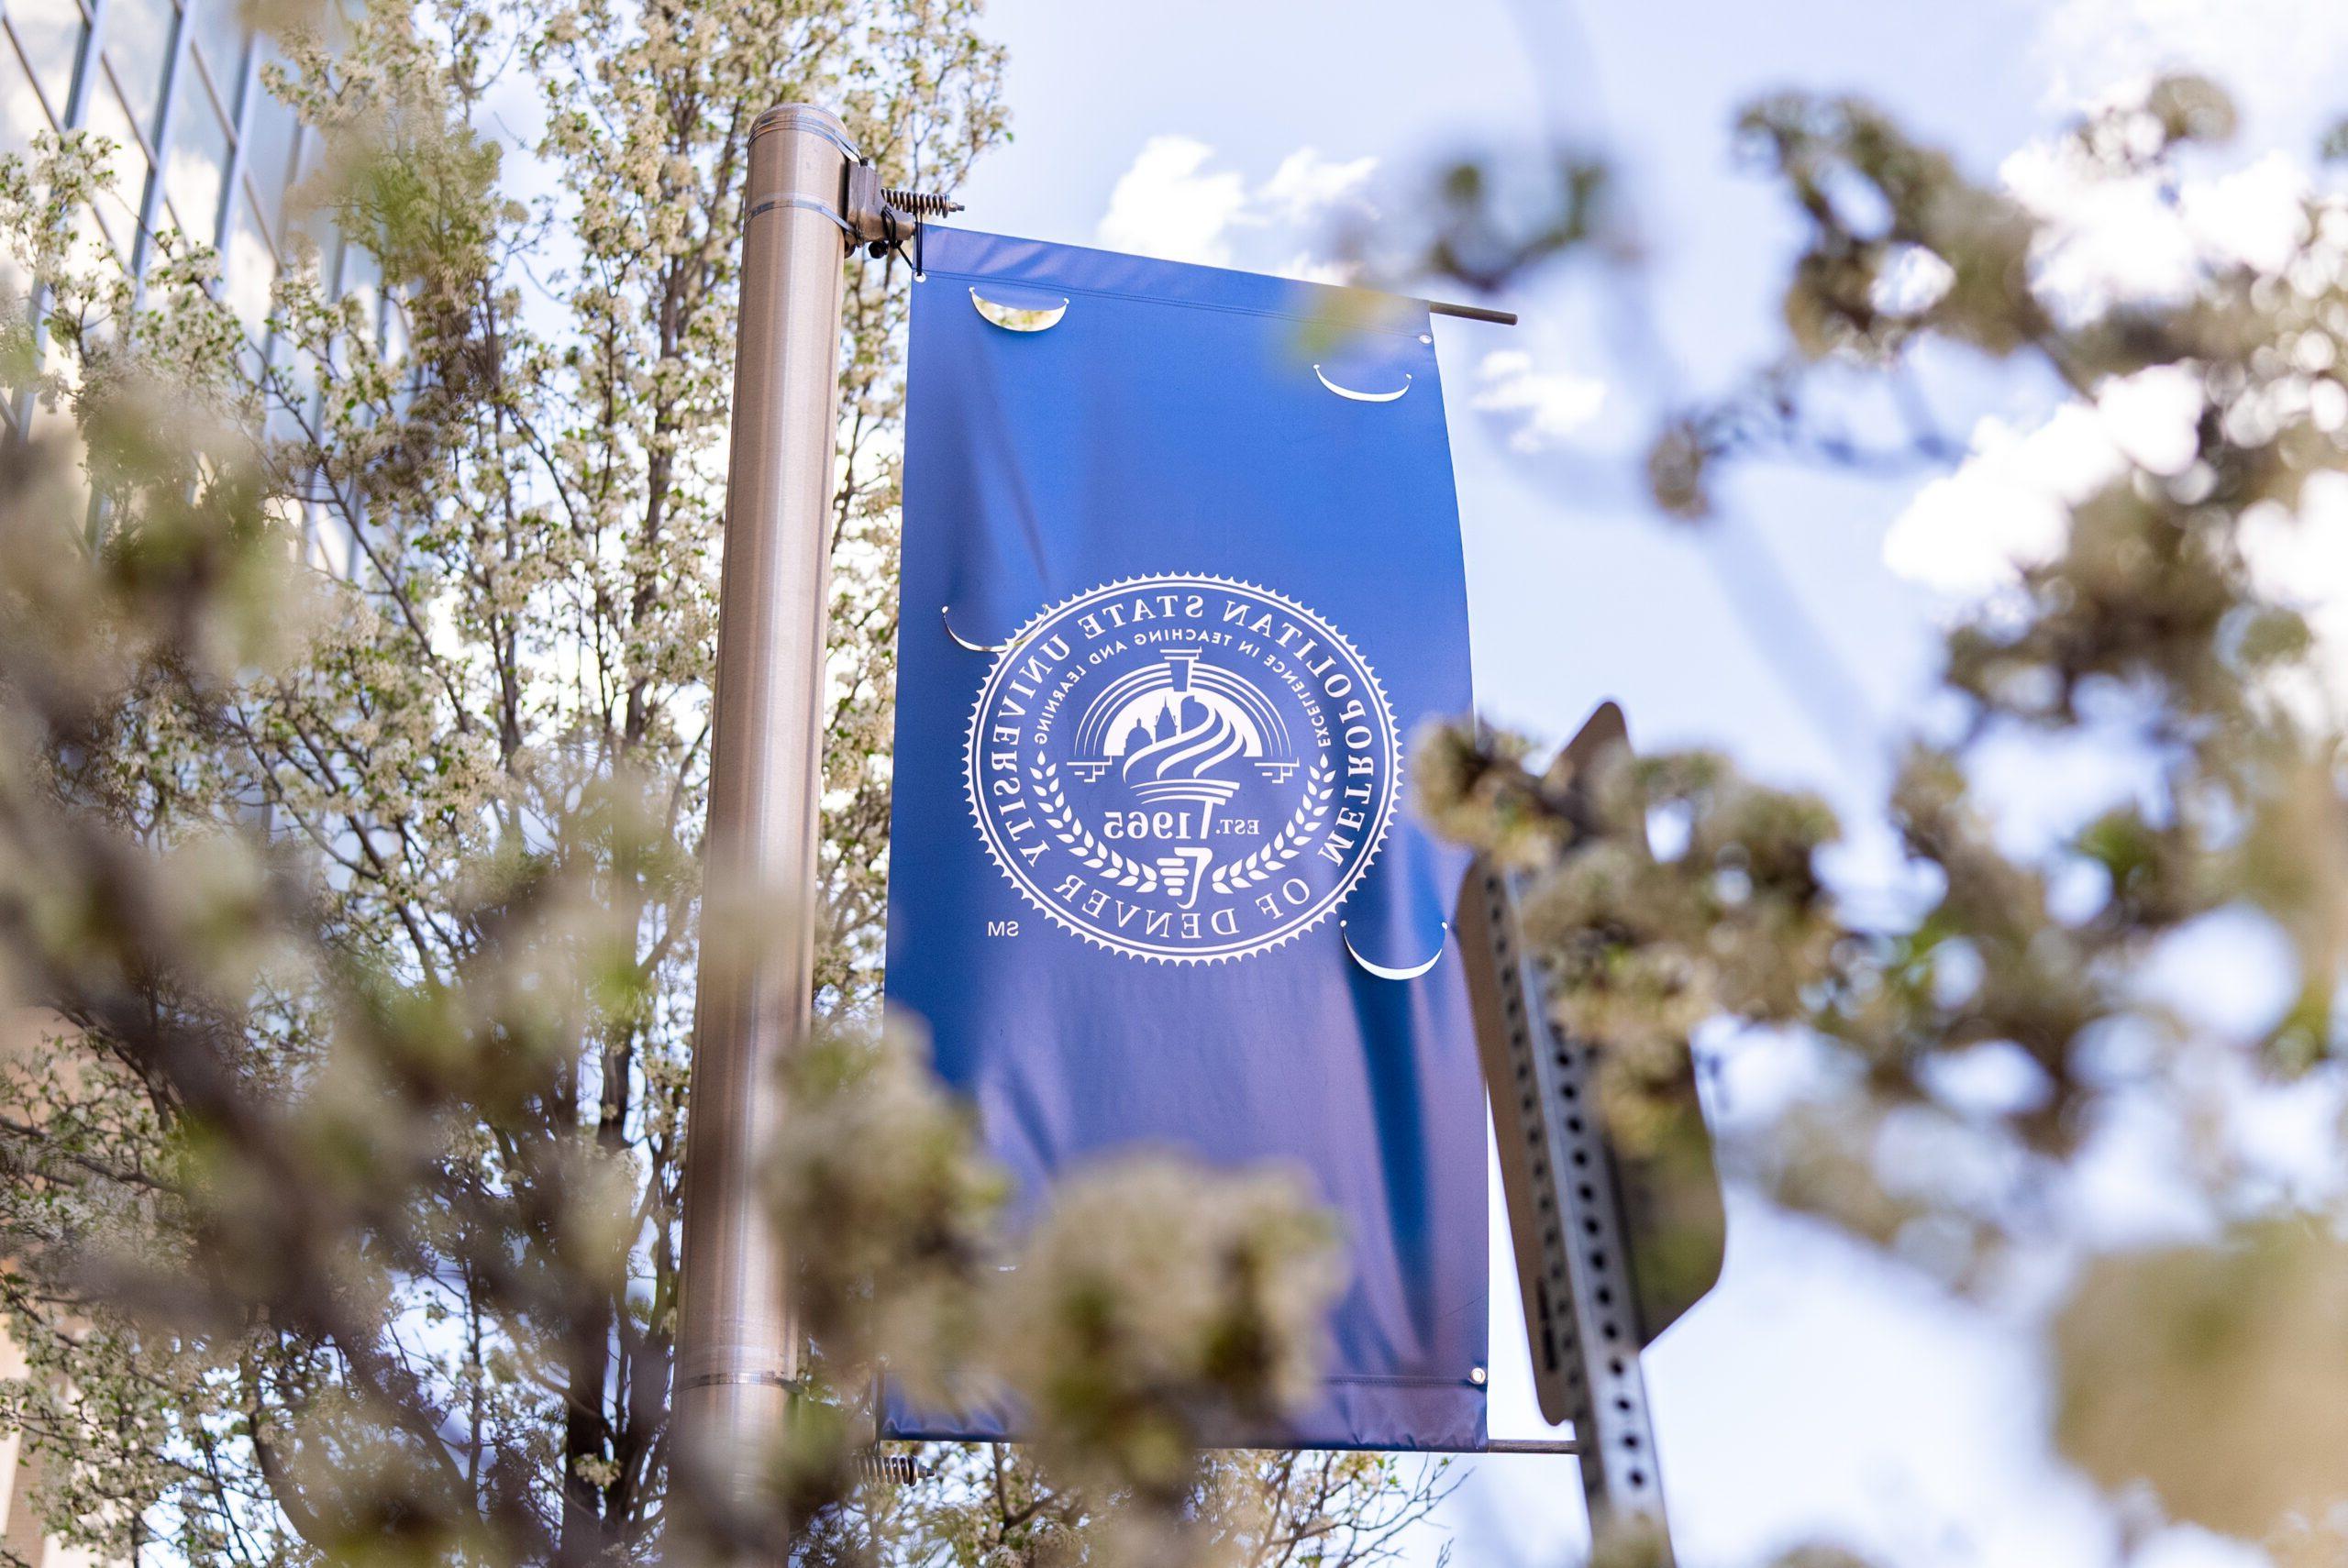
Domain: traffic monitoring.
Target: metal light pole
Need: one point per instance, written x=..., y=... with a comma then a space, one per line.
x=737, y=1354
x=808, y=199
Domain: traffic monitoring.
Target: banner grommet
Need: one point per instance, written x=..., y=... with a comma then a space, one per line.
x=1387, y=971
x=946, y=616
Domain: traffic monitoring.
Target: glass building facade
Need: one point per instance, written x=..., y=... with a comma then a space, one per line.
x=201, y=148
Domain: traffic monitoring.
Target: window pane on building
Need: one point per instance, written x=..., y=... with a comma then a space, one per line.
x=91, y=248
x=268, y=154
x=294, y=405
x=250, y=268
x=221, y=38
x=118, y=207
x=317, y=226
x=195, y=171
x=138, y=44
x=331, y=550
x=362, y=279
x=21, y=116
x=396, y=354
x=49, y=32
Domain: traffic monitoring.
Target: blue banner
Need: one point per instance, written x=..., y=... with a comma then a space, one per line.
x=1181, y=577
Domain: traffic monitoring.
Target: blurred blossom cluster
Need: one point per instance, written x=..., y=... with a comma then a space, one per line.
x=1156, y=1306
x=1671, y=892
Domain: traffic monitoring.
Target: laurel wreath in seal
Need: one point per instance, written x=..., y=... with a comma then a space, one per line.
x=1097, y=856
x=1311, y=810
x=1261, y=865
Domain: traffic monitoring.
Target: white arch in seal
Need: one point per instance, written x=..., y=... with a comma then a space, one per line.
x=1091, y=730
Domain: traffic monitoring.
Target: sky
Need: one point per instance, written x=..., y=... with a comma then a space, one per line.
x=1820, y=1393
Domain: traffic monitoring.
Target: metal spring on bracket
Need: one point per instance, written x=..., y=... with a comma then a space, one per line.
x=891, y=1469
x=920, y=204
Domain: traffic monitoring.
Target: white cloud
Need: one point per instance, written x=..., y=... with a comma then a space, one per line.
x=1549, y=405
x=2282, y=62
x=2153, y=417
x=2110, y=238
x=2281, y=59
x=1169, y=204
x=1306, y=185
x=2006, y=507
x=2302, y=559
x=2105, y=239
x=2256, y=215
x=2002, y=510
x=1173, y=203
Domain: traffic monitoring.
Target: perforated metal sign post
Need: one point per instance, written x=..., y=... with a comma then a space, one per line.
x=1579, y=1215
x=1565, y=1213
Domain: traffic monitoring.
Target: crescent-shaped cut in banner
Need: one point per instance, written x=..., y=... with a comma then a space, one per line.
x=1363, y=396
x=1019, y=318
x=1385, y=971
x=946, y=613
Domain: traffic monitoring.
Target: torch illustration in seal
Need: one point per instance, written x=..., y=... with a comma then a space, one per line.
x=1175, y=733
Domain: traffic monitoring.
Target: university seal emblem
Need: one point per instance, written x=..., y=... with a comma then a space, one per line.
x=1182, y=768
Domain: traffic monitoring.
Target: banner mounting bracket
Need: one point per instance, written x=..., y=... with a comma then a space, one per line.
x=1472, y=313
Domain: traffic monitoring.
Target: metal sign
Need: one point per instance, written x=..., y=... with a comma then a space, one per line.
x=1581, y=1216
